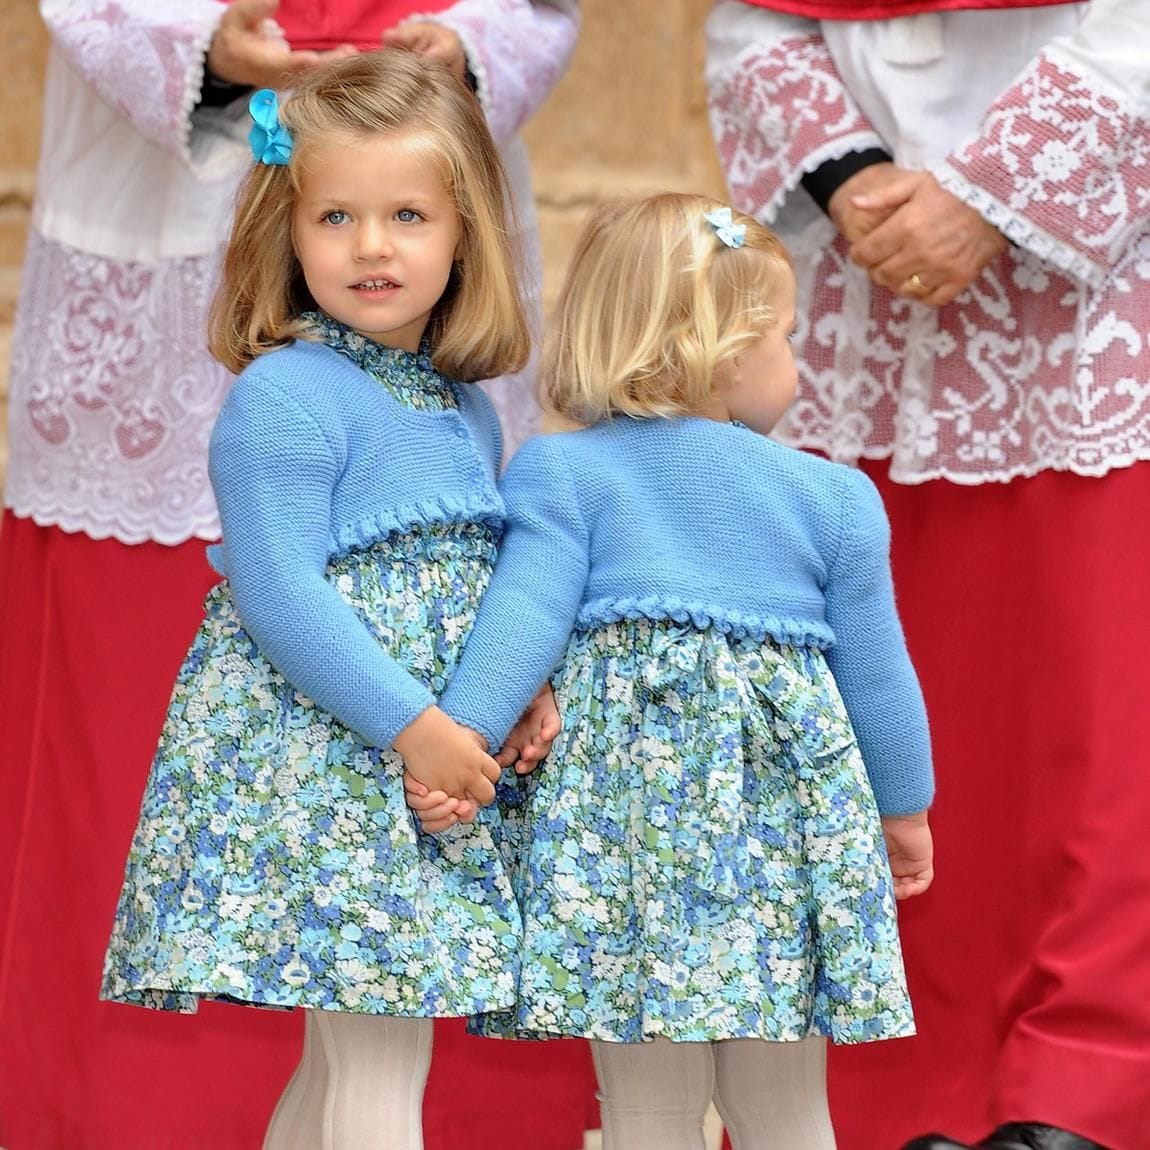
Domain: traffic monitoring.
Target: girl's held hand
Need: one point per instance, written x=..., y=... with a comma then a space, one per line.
x=248, y=49
x=531, y=738
x=447, y=757
x=910, y=848
x=435, y=810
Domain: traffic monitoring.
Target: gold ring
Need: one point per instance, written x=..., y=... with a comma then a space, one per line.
x=915, y=281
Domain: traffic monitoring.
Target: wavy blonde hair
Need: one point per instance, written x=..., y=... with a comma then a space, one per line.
x=654, y=309
x=478, y=329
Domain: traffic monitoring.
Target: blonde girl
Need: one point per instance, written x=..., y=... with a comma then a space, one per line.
x=368, y=281
x=704, y=884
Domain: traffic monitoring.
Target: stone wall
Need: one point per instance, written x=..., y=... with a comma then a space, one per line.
x=630, y=115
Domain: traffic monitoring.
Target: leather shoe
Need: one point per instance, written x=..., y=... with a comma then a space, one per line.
x=1011, y=1136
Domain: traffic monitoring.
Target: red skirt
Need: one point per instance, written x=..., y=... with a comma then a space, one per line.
x=92, y=634
x=1027, y=612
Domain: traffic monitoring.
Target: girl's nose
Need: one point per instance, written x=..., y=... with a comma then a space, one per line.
x=373, y=241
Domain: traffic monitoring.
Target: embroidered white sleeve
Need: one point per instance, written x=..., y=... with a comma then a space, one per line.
x=778, y=107
x=144, y=58
x=1061, y=164
x=516, y=49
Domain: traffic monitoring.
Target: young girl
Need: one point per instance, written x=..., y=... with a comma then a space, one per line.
x=274, y=862
x=704, y=888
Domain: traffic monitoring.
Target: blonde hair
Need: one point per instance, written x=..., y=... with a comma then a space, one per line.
x=654, y=309
x=478, y=329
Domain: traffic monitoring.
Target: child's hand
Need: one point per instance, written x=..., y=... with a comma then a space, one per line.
x=531, y=738
x=446, y=757
x=436, y=810
x=910, y=848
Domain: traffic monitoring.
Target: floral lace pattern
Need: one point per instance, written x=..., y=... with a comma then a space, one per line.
x=275, y=861
x=779, y=112
x=703, y=857
x=113, y=396
x=1062, y=167
x=1028, y=369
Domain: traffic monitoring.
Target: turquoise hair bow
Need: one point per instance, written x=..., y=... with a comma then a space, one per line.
x=732, y=234
x=271, y=142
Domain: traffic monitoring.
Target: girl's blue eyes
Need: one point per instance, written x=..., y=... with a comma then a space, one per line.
x=404, y=215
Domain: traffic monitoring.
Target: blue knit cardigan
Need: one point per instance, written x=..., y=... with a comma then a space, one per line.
x=311, y=458
x=708, y=524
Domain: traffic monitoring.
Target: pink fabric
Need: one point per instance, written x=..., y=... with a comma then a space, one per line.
x=321, y=24
x=887, y=9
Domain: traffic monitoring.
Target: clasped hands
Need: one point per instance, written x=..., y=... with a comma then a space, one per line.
x=247, y=48
x=448, y=774
x=912, y=235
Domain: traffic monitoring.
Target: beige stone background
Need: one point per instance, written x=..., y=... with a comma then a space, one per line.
x=630, y=115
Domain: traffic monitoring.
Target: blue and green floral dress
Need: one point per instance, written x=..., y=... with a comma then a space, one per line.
x=275, y=861
x=704, y=857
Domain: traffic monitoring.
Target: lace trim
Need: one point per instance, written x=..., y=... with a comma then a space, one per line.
x=704, y=616
x=1019, y=230
x=1062, y=166
x=777, y=115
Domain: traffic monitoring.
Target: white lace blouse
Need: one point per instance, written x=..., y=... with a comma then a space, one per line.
x=112, y=391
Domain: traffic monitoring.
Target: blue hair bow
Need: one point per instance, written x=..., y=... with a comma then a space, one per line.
x=271, y=142
x=732, y=234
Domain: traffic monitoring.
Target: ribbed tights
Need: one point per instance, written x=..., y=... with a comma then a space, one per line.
x=771, y=1095
x=359, y=1085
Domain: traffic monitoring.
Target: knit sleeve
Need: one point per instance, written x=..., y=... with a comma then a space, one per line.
x=869, y=658
x=273, y=471
x=530, y=607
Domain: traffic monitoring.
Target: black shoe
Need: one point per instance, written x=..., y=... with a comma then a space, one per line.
x=1011, y=1136
x=1036, y=1136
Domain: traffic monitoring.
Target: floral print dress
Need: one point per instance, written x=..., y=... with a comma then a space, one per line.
x=275, y=861
x=704, y=859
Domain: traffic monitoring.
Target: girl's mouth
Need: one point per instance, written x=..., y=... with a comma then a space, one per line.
x=374, y=285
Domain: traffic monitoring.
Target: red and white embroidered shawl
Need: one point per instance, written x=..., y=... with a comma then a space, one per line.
x=1045, y=361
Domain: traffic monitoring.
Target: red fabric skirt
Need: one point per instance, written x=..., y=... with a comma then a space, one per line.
x=91, y=636
x=1027, y=612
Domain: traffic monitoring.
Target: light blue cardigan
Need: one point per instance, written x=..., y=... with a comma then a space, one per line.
x=709, y=524
x=311, y=458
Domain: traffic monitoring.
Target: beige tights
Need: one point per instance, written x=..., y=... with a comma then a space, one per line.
x=359, y=1085
x=771, y=1095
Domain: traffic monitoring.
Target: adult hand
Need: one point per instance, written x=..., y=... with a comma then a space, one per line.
x=447, y=757
x=431, y=40
x=855, y=222
x=248, y=49
x=932, y=247
x=910, y=849
x=531, y=738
